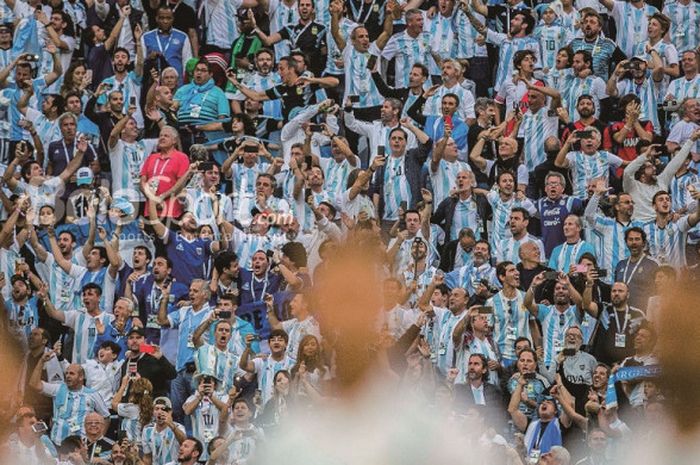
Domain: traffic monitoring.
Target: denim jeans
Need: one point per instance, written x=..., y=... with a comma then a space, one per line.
x=180, y=389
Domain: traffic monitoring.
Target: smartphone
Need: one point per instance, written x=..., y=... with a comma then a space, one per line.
x=529, y=375
x=551, y=275
x=256, y=337
x=354, y=99
x=309, y=160
x=225, y=314
x=315, y=128
x=131, y=368
x=88, y=74
x=121, y=435
x=307, y=193
x=167, y=281
x=448, y=121
x=250, y=149
x=568, y=352
x=584, y=134
x=381, y=150
x=144, y=349
x=132, y=100
x=602, y=273
x=371, y=62
x=403, y=205
x=485, y=310
x=40, y=427
x=581, y=269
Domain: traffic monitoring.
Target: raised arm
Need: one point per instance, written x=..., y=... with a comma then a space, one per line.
x=478, y=6
x=245, y=362
x=529, y=300
x=336, y=10
x=393, y=13
x=518, y=417
x=561, y=161
x=115, y=260
x=609, y=4
x=74, y=164
x=57, y=69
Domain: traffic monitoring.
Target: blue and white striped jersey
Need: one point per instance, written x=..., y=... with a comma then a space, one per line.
x=85, y=332
x=648, y=92
x=408, y=51
x=500, y=217
x=685, y=24
x=265, y=370
x=551, y=39
x=510, y=251
x=554, y=326
x=396, y=187
x=511, y=320
x=160, y=443
x=631, y=24
x=358, y=79
x=667, y=244
x=507, y=48
x=535, y=129
x=466, y=36
x=584, y=168
x=565, y=255
x=443, y=180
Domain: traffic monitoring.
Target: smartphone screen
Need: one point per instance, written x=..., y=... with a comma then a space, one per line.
x=145, y=349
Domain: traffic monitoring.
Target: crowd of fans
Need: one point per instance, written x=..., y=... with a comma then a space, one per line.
x=178, y=176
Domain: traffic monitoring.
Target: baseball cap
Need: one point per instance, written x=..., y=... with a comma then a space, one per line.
x=639, y=58
x=84, y=176
x=164, y=401
x=136, y=330
x=123, y=204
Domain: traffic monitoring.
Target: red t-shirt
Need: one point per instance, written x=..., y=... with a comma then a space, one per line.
x=164, y=172
x=628, y=149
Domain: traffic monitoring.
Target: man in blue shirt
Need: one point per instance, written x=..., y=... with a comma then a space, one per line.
x=186, y=320
x=553, y=210
x=185, y=248
x=147, y=291
x=201, y=106
x=168, y=42
x=254, y=284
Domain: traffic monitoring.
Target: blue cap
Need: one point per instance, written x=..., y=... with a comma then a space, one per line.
x=123, y=204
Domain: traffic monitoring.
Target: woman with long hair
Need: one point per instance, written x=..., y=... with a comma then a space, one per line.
x=75, y=80
x=310, y=371
x=138, y=410
x=277, y=408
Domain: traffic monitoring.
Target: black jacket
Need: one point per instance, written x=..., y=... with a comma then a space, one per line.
x=414, y=160
x=157, y=371
x=446, y=209
x=494, y=399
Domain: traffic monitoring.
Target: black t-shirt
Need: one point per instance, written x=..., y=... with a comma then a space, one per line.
x=369, y=13
x=311, y=40
x=606, y=349
x=185, y=17
x=292, y=97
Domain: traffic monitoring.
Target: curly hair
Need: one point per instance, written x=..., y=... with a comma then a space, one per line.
x=141, y=394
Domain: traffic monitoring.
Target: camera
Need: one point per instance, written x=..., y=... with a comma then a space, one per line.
x=669, y=105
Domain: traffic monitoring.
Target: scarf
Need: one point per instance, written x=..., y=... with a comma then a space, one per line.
x=628, y=374
x=550, y=438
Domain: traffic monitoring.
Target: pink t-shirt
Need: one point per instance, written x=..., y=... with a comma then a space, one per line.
x=162, y=173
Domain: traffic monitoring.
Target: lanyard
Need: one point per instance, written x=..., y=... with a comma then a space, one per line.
x=562, y=258
x=358, y=14
x=252, y=288
x=157, y=164
x=617, y=320
x=297, y=35
x=65, y=151
x=167, y=44
x=626, y=278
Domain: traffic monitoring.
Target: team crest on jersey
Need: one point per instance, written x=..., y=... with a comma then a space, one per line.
x=199, y=250
x=176, y=41
x=179, y=248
